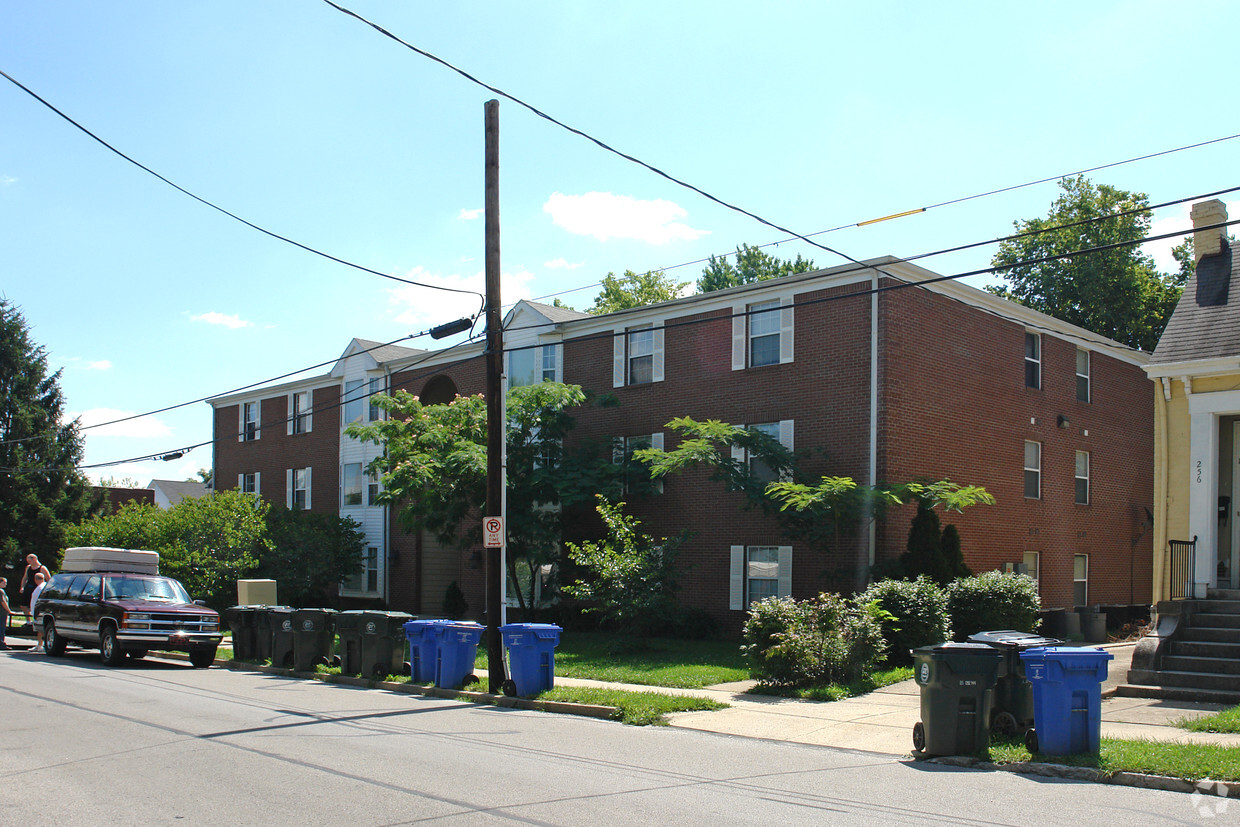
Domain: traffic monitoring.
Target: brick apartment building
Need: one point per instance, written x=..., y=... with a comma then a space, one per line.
x=883, y=377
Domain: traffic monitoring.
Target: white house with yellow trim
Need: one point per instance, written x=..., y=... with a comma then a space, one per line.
x=1197, y=421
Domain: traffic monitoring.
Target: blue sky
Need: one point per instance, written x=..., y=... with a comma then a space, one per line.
x=313, y=125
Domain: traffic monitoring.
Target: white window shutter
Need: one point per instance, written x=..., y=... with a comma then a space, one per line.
x=288, y=488
x=309, y=411
x=739, y=326
x=736, y=596
x=258, y=478
x=241, y=422
x=241, y=482
x=308, y=489
x=785, y=439
x=785, y=571
x=785, y=330
x=558, y=349
x=656, y=442
x=617, y=361
x=289, y=419
x=656, y=369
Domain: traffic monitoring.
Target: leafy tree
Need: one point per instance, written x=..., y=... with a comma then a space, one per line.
x=434, y=469
x=1117, y=293
x=631, y=578
x=933, y=551
x=309, y=554
x=633, y=290
x=204, y=476
x=41, y=490
x=752, y=264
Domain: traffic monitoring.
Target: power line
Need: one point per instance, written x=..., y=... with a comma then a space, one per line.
x=220, y=209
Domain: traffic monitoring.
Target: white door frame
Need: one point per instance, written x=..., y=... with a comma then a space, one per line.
x=1205, y=412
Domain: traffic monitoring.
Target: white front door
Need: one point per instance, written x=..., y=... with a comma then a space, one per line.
x=1229, y=577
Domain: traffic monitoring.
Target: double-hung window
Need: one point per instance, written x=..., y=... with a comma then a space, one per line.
x=1033, y=360
x=1082, y=477
x=638, y=356
x=366, y=577
x=531, y=365
x=641, y=356
x=352, y=484
x=249, y=483
x=372, y=489
x=375, y=413
x=1032, y=560
x=249, y=430
x=297, y=485
x=299, y=421
x=781, y=432
x=1080, y=580
x=634, y=471
x=759, y=572
x=1033, y=470
x=354, y=400
x=1082, y=375
x=764, y=334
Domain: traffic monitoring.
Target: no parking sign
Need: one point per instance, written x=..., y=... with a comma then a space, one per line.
x=493, y=532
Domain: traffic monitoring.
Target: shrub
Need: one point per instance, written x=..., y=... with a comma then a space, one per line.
x=813, y=642
x=992, y=601
x=918, y=611
x=454, y=604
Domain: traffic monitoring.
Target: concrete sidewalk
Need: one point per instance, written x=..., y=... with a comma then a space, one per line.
x=883, y=720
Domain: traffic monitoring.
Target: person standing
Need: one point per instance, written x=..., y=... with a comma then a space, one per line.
x=28, y=584
x=4, y=611
x=40, y=582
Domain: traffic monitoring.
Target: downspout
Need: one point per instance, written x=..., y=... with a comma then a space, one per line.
x=873, y=550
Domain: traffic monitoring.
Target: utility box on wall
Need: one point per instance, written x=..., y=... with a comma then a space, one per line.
x=256, y=593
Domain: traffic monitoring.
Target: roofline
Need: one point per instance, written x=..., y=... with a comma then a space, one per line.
x=1217, y=366
x=321, y=380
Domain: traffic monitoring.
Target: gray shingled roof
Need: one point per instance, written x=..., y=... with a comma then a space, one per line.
x=387, y=353
x=1211, y=332
x=558, y=314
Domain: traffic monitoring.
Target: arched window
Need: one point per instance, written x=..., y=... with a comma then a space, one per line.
x=439, y=391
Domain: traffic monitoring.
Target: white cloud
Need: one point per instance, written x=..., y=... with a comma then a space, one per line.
x=606, y=216
x=102, y=364
x=421, y=308
x=469, y=215
x=147, y=427
x=561, y=264
x=221, y=319
x=7, y=180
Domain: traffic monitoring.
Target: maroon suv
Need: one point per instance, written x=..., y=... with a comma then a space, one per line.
x=125, y=614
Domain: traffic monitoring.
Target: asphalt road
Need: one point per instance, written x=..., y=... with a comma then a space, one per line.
x=162, y=743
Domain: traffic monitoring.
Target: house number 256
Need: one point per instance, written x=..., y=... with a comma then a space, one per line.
x=1198, y=471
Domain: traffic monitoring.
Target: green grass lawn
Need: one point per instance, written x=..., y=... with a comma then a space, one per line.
x=690, y=664
x=1189, y=761
x=638, y=708
x=1227, y=720
x=840, y=691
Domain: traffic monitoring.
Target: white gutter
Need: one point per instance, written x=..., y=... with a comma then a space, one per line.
x=873, y=407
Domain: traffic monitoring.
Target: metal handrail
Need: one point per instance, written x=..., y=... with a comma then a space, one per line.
x=1183, y=553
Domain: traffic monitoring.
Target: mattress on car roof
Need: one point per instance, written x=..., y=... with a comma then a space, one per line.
x=94, y=558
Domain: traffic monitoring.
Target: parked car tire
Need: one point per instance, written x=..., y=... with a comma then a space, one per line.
x=53, y=643
x=110, y=651
x=202, y=657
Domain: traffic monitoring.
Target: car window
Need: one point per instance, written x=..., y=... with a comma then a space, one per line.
x=56, y=586
x=91, y=587
x=74, y=587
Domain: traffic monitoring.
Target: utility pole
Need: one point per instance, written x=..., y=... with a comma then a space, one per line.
x=497, y=675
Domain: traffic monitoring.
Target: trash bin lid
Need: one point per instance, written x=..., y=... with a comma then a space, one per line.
x=1012, y=639
x=943, y=650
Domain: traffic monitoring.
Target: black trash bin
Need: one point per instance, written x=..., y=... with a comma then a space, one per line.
x=242, y=622
x=314, y=633
x=264, y=632
x=384, y=644
x=280, y=621
x=956, y=681
x=1012, y=710
x=349, y=631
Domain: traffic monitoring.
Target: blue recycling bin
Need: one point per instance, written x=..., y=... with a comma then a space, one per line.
x=423, y=637
x=1067, y=698
x=531, y=655
x=458, y=646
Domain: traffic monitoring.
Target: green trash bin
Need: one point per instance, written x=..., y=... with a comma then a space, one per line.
x=242, y=620
x=314, y=634
x=349, y=634
x=956, y=681
x=280, y=621
x=383, y=644
x=264, y=632
x=1012, y=709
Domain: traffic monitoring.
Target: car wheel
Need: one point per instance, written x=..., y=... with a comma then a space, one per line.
x=110, y=651
x=53, y=643
x=202, y=657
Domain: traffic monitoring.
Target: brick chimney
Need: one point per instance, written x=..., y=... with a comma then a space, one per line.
x=1208, y=242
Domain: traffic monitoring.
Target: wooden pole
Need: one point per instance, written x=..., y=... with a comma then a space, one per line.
x=497, y=675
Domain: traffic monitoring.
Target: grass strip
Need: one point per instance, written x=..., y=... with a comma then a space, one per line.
x=1227, y=720
x=838, y=691
x=636, y=708
x=1192, y=762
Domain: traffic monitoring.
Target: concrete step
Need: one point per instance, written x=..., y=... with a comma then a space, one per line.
x=1220, y=606
x=1216, y=620
x=1204, y=649
x=1222, y=594
x=1218, y=666
x=1209, y=635
x=1179, y=693
x=1214, y=681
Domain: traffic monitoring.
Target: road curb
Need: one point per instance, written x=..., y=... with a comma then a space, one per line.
x=1222, y=789
x=481, y=698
